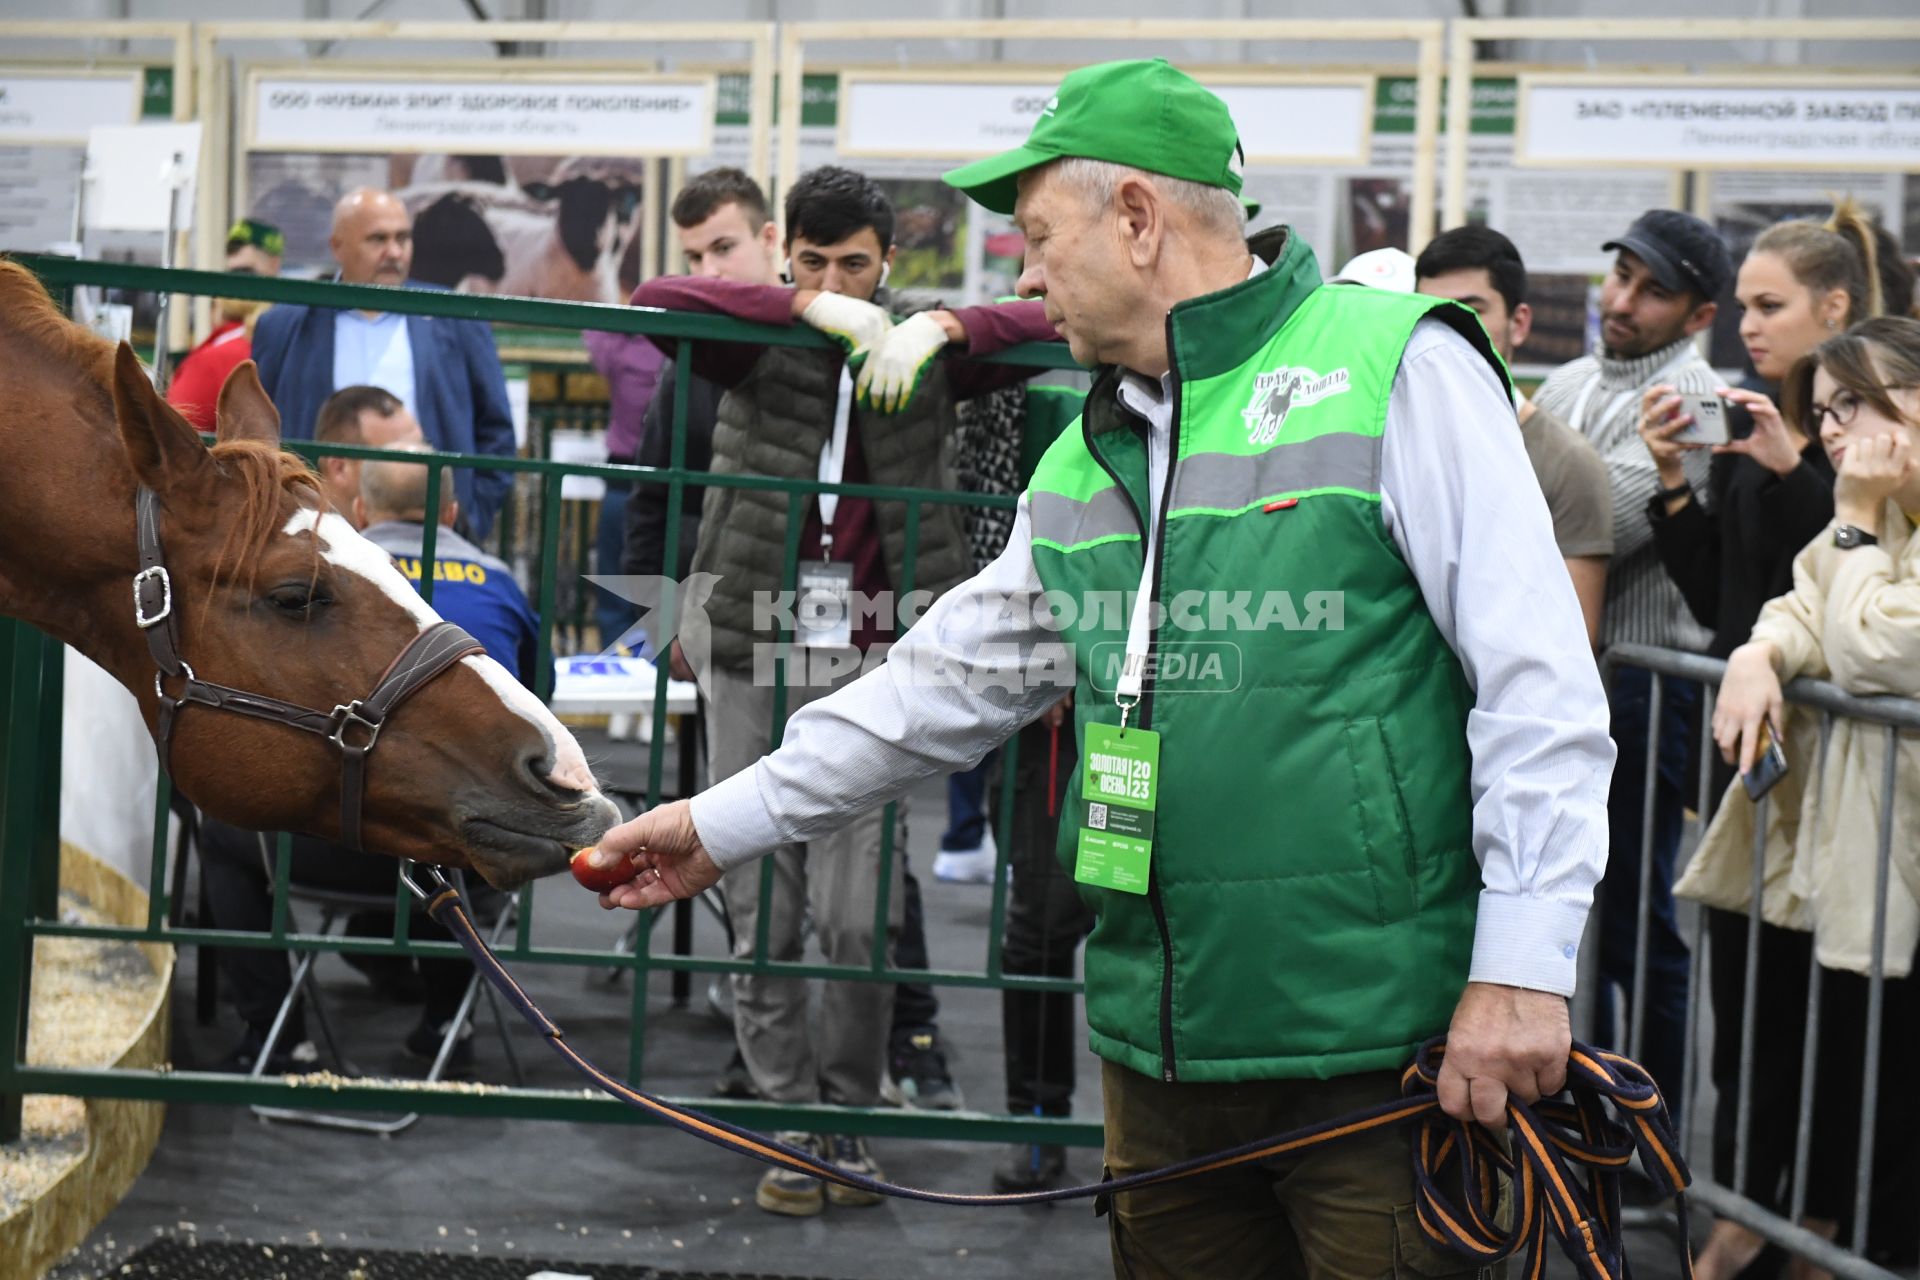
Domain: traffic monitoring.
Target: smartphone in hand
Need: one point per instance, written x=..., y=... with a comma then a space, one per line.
x=1709, y=414
x=1768, y=767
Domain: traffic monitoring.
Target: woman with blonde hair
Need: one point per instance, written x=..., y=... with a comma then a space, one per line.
x=1852, y=617
x=1729, y=551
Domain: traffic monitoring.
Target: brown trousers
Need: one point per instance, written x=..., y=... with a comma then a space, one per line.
x=1343, y=1211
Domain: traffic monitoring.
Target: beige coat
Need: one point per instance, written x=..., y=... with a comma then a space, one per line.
x=1853, y=617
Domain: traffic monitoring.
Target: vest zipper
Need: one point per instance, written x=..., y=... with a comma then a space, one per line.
x=1158, y=535
x=1167, y=1072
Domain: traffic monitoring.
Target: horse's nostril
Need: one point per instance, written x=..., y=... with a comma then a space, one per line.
x=538, y=771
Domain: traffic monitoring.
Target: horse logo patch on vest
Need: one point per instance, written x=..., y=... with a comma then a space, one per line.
x=1279, y=393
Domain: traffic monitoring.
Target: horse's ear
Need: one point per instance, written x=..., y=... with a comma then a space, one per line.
x=245, y=412
x=162, y=447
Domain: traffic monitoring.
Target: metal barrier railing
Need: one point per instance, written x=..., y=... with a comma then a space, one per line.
x=1739, y=1202
x=30, y=709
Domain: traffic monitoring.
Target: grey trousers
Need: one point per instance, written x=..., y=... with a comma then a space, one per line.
x=837, y=877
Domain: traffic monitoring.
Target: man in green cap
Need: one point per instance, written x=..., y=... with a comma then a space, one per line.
x=1345, y=751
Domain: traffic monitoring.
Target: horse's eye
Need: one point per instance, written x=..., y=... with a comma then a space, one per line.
x=299, y=601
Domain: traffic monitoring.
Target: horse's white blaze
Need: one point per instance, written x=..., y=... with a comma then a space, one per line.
x=342, y=546
x=569, y=762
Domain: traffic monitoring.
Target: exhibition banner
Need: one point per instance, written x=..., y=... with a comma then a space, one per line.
x=62, y=106
x=961, y=115
x=550, y=114
x=1717, y=123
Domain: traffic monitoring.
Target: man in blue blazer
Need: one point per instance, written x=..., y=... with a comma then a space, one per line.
x=447, y=372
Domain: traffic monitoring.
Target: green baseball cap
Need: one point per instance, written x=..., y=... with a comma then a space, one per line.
x=263, y=235
x=1146, y=114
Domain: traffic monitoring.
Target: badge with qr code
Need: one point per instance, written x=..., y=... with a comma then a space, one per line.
x=1119, y=792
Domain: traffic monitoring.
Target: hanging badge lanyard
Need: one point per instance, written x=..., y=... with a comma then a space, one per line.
x=823, y=615
x=1118, y=796
x=1121, y=785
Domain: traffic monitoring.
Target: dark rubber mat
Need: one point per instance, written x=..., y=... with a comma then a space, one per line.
x=179, y=1260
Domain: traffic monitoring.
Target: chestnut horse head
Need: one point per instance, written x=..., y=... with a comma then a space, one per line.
x=272, y=593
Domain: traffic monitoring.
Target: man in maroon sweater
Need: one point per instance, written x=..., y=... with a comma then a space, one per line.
x=796, y=413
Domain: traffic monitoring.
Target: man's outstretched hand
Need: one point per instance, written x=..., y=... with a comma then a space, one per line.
x=1504, y=1040
x=666, y=850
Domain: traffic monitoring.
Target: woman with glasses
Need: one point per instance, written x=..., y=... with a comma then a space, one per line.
x=1730, y=550
x=1852, y=616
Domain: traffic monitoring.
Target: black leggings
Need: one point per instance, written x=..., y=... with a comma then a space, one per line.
x=1046, y=921
x=1779, y=1039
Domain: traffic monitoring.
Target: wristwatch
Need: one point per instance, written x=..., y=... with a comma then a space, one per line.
x=1847, y=537
x=1682, y=490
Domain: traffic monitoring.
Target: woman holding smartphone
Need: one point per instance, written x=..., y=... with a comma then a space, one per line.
x=1769, y=492
x=1770, y=488
x=1852, y=616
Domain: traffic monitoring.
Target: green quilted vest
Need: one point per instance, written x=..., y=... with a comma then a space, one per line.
x=1313, y=884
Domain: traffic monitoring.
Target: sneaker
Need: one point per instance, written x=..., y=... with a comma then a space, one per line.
x=917, y=1076
x=788, y=1192
x=850, y=1153
x=423, y=1042
x=967, y=866
x=1031, y=1167
x=735, y=1081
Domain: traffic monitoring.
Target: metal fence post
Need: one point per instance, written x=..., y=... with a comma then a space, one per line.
x=1876, y=996
x=47, y=738
x=1643, y=910
x=1810, y=1047
x=21, y=667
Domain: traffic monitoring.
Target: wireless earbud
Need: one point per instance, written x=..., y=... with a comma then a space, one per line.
x=886, y=269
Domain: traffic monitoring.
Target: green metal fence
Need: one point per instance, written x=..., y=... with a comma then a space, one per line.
x=30, y=729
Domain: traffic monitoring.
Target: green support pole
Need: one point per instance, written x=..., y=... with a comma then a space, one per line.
x=47, y=740
x=20, y=670
x=582, y=589
x=430, y=534
x=997, y=914
x=549, y=571
x=157, y=853
x=789, y=581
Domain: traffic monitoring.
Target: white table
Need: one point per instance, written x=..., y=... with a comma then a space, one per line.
x=601, y=684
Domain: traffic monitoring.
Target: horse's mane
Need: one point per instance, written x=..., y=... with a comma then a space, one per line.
x=27, y=312
x=265, y=472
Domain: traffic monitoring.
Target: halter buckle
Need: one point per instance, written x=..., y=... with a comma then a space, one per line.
x=185, y=671
x=349, y=714
x=153, y=573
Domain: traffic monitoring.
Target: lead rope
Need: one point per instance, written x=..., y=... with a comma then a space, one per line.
x=1610, y=1109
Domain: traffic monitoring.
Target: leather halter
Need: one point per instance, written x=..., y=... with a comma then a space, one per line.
x=354, y=727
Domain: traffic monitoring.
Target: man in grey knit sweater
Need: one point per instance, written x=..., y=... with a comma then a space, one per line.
x=1669, y=268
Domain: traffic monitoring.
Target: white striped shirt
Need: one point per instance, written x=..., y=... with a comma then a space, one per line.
x=1643, y=605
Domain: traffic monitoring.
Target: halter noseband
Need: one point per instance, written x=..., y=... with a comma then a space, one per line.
x=353, y=727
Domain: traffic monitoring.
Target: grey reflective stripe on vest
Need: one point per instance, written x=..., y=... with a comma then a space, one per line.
x=1068, y=523
x=1232, y=482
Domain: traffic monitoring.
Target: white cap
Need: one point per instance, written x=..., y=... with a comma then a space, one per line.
x=1389, y=269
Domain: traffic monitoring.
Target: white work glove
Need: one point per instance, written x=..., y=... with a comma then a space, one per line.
x=896, y=364
x=854, y=324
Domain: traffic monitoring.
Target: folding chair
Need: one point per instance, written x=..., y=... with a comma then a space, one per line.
x=335, y=906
